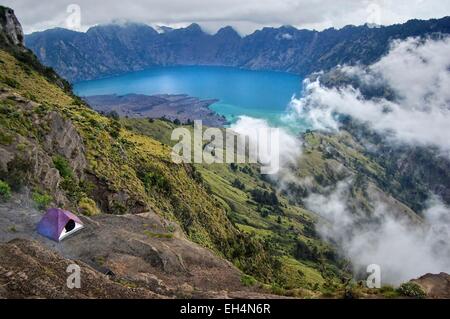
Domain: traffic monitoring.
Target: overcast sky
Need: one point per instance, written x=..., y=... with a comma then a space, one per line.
x=244, y=15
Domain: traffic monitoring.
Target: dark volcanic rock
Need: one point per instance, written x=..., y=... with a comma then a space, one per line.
x=181, y=107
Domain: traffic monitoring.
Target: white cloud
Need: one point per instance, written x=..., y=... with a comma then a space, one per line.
x=245, y=16
x=403, y=249
x=286, y=36
x=283, y=151
x=418, y=72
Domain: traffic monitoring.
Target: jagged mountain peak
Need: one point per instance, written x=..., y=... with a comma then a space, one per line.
x=228, y=31
x=194, y=27
x=164, y=29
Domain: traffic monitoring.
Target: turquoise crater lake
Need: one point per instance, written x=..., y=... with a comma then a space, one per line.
x=259, y=94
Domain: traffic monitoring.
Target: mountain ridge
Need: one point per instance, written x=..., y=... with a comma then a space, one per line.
x=164, y=27
x=100, y=52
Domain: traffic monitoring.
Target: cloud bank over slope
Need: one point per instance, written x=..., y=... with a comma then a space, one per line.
x=417, y=71
x=404, y=250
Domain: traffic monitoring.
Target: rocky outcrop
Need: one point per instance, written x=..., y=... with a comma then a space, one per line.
x=435, y=286
x=10, y=28
x=139, y=256
x=30, y=270
x=63, y=139
x=27, y=156
x=37, y=169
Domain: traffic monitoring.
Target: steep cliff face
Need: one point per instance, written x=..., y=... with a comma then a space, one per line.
x=10, y=28
x=28, y=160
x=110, y=49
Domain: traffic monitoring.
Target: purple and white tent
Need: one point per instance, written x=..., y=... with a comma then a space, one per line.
x=58, y=224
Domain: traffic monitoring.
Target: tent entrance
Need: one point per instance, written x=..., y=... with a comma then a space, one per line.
x=70, y=225
x=70, y=228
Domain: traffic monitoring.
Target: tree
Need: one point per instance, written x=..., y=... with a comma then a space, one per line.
x=238, y=184
x=114, y=115
x=264, y=197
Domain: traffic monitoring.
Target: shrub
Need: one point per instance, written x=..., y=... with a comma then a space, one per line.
x=5, y=138
x=389, y=292
x=151, y=234
x=304, y=251
x=320, y=179
x=117, y=208
x=12, y=229
x=352, y=291
x=11, y=82
x=264, y=197
x=276, y=289
x=264, y=213
x=170, y=228
x=5, y=191
x=247, y=170
x=21, y=147
x=41, y=200
x=113, y=115
x=238, y=184
x=88, y=207
x=69, y=183
x=155, y=180
x=78, y=101
x=196, y=175
x=248, y=281
x=114, y=128
x=86, y=186
x=95, y=124
x=62, y=165
x=413, y=290
x=17, y=173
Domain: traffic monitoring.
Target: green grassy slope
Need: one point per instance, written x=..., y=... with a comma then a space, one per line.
x=126, y=172
x=287, y=229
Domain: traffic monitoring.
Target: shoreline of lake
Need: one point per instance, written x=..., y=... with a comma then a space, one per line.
x=232, y=92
